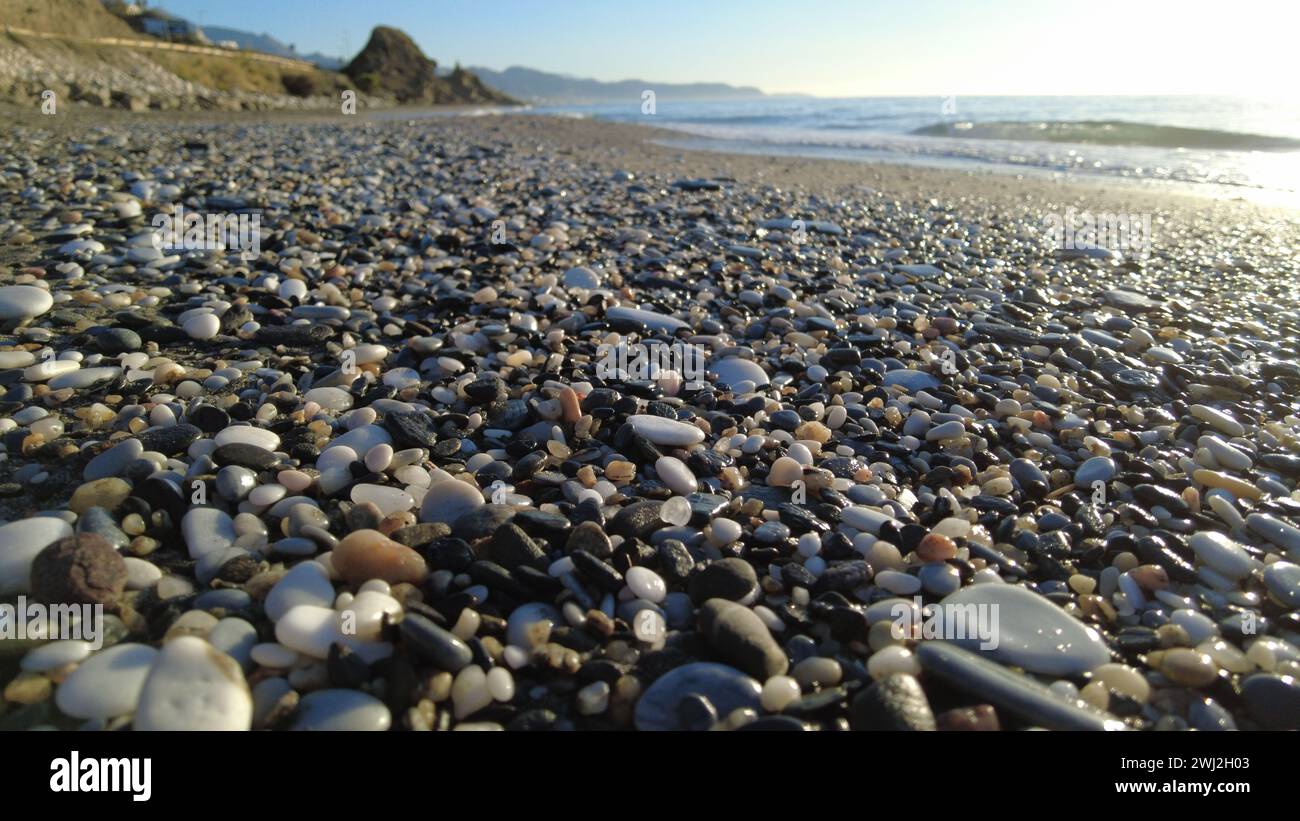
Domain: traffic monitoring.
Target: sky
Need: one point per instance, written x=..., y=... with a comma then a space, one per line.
x=830, y=48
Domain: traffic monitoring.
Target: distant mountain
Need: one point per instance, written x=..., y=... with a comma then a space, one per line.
x=269, y=45
x=542, y=87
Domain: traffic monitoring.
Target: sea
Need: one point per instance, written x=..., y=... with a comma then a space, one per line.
x=1220, y=146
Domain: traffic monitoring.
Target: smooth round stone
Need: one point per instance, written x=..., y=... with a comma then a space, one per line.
x=235, y=482
x=866, y=519
x=389, y=500
x=674, y=473
x=784, y=472
x=530, y=624
x=264, y=495
x=947, y=430
x=247, y=435
x=726, y=689
x=234, y=637
x=16, y=359
x=734, y=370
x=194, y=686
x=1123, y=679
x=140, y=574
x=646, y=584
x=1096, y=469
x=55, y=655
x=107, y=684
x=662, y=431
x=1273, y=701
x=1031, y=632
x=379, y=458
x=305, y=583
x=778, y=693
x=1222, y=554
x=361, y=439
x=448, y=500
x=433, y=643
x=1225, y=454
x=364, y=616
x=676, y=511
x=581, y=277
x=334, y=710
x=309, y=629
x=202, y=326
x=84, y=378
x=274, y=655
x=113, y=461
x=49, y=369
x=20, y=542
x=1278, y=532
x=368, y=554
x=469, y=691
x=1217, y=419
x=24, y=301
x=206, y=529
x=331, y=399
x=1283, y=582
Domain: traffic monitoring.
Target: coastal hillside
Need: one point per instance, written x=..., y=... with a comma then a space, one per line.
x=88, y=56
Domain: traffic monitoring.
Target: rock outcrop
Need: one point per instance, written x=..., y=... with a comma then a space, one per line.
x=392, y=66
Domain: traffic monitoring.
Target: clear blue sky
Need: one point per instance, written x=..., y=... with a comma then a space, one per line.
x=824, y=47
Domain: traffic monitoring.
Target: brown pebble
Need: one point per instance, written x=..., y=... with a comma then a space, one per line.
x=1150, y=577
x=570, y=409
x=936, y=547
x=81, y=569
x=369, y=554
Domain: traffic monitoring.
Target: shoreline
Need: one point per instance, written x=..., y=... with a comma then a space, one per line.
x=668, y=147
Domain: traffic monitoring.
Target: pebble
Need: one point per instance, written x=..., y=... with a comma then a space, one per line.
x=24, y=302
x=363, y=555
x=725, y=688
x=1222, y=554
x=662, y=431
x=194, y=686
x=20, y=543
x=1012, y=691
x=334, y=710
x=108, y=684
x=1032, y=633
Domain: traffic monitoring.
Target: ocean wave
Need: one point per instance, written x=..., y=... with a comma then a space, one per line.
x=1110, y=132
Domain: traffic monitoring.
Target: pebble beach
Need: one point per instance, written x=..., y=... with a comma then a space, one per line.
x=374, y=475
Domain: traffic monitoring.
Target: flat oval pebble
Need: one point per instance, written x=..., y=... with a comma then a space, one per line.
x=342, y=710
x=108, y=684
x=24, y=302
x=1030, y=631
x=662, y=431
